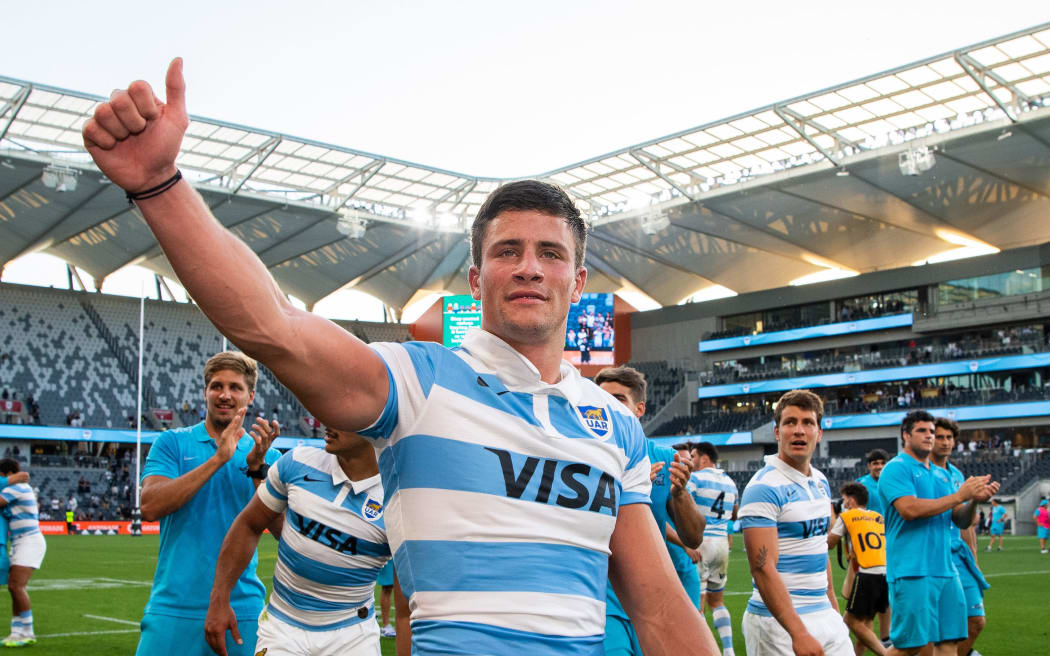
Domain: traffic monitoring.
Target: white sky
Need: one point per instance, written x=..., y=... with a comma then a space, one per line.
x=486, y=88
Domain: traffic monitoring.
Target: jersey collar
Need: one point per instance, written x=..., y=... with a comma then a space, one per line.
x=792, y=474
x=515, y=370
x=339, y=476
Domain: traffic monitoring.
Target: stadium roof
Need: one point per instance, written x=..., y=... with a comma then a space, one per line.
x=811, y=186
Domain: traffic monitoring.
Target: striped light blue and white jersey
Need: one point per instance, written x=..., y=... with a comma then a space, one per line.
x=333, y=543
x=502, y=494
x=715, y=495
x=799, y=506
x=21, y=502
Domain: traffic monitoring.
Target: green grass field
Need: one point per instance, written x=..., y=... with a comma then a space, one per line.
x=89, y=596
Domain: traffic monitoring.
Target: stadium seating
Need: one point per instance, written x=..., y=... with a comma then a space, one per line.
x=663, y=383
x=55, y=354
x=78, y=352
x=955, y=347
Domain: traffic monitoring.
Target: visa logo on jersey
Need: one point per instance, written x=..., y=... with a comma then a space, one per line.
x=595, y=419
x=568, y=484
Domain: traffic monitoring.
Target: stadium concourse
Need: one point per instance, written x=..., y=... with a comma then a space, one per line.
x=915, y=197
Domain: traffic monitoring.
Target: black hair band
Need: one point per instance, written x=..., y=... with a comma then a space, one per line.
x=155, y=191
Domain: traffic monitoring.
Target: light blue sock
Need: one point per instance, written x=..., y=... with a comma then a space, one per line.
x=22, y=624
x=724, y=626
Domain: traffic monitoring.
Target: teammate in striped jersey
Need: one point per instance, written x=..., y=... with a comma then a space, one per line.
x=786, y=512
x=27, y=552
x=715, y=495
x=331, y=550
x=494, y=454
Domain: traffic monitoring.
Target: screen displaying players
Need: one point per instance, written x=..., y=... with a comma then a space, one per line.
x=458, y=315
x=589, y=336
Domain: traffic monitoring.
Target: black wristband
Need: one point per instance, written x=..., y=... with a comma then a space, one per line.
x=259, y=473
x=155, y=191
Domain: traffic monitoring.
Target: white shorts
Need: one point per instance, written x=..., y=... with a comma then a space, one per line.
x=763, y=636
x=278, y=638
x=714, y=564
x=28, y=550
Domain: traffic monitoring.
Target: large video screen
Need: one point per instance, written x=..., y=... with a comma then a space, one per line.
x=589, y=335
x=458, y=315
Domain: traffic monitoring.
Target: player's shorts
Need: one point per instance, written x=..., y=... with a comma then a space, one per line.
x=763, y=635
x=28, y=550
x=972, y=581
x=869, y=596
x=165, y=635
x=714, y=564
x=1043, y=532
x=5, y=564
x=279, y=638
x=927, y=609
x=691, y=582
x=996, y=529
x=620, y=638
x=386, y=575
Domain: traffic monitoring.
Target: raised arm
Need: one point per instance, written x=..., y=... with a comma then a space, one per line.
x=645, y=582
x=134, y=139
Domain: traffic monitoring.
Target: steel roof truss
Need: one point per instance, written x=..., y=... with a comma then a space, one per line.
x=649, y=162
x=261, y=152
x=16, y=105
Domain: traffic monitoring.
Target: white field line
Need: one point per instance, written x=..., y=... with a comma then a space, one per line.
x=86, y=633
x=1039, y=571
x=112, y=619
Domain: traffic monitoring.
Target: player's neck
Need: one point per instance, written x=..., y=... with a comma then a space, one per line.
x=358, y=467
x=924, y=458
x=940, y=462
x=545, y=356
x=801, y=466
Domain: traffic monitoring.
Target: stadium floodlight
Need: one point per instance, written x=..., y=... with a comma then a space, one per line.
x=654, y=221
x=351, y=224
x=59, y=178
x=916, y=160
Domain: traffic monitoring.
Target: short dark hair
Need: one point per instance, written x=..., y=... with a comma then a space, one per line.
x=912, y=418
x=9, y=466
x=705, y=449
x=877, y=454
x=683, y=446
x=802, y=399
x=858, y=492
x=947, y=424
x=528, y=195
x=629, y=377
